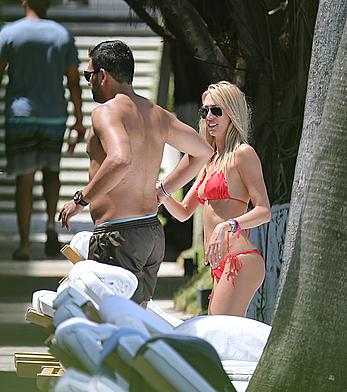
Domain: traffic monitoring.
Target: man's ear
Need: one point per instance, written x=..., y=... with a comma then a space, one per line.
x=105, y=75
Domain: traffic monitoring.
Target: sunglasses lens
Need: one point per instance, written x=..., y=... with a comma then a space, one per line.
x=203, y=112
x=216, y=111
x=87, y=75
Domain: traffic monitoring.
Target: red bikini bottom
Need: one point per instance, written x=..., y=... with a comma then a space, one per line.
x=235, y=265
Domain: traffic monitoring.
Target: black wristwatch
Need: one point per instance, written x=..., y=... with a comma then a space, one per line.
x=78, y=199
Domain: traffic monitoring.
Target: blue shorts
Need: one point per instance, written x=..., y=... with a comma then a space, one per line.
x=33, y=144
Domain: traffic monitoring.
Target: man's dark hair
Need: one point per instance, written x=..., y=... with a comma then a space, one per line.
x=39, y=7
x=116, y=58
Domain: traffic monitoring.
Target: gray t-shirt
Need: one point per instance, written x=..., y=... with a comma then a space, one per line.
x=38, y=53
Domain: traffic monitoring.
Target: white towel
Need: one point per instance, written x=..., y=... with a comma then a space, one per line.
x=234, y=338
x=99, y=280
x=42, y=301
x=80, y=243
x=82, y=339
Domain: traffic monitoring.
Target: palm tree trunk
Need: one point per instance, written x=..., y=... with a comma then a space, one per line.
x=190, y=28
x=306, y=350
x=329, y=26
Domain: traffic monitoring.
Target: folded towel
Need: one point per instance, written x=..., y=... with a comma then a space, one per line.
x=67, y=311
x=42, y=301
x=82, y=339
x=100, y=280
x=70, y=291
x=71, y=302
x=80, y=243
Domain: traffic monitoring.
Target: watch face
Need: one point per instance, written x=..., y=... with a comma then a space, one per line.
x=77, y=197
x=232, y=224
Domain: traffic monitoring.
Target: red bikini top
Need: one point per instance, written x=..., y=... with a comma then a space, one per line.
x=216, y=187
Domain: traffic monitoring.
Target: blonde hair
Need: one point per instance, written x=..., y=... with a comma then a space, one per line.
x=233, y=102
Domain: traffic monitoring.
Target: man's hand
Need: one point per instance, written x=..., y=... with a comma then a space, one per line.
x=76, y=135
x=68, y=211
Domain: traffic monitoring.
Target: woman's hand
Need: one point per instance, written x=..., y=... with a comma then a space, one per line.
x=216, y=246
x=161, y=197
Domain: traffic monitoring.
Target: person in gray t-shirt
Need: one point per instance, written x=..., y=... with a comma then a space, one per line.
x=38, y=53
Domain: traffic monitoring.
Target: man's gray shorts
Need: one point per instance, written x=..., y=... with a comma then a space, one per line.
x=137, y=245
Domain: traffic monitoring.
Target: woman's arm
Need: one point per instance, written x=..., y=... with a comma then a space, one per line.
x=197, y=152
x=249, y=167
x=180, y=210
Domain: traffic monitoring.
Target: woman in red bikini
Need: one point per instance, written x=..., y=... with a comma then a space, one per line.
x=229, y=182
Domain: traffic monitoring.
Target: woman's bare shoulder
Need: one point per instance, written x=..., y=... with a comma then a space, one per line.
x=245, y=151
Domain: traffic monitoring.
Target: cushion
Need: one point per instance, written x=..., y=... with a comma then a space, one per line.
x=233, y=337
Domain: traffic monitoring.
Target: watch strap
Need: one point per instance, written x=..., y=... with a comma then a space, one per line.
x=235, y=227
x=78, y=199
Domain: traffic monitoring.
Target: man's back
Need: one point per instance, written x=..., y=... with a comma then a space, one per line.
x=147, y=126
x=126, y=143
x=125, y=147
x=38, y=53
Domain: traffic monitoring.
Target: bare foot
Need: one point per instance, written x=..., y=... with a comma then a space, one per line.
x=20, y=254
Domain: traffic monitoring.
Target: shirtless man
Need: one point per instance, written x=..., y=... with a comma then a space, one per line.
x=125, y=146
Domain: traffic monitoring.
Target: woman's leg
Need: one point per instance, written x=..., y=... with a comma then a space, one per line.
x=234, y=301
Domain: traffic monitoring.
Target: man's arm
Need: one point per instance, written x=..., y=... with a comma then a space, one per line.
x=108, y=127
x=197, y=152
x=73, y=84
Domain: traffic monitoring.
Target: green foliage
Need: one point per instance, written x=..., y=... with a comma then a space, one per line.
x=178, y=195
x=186, y=298
x=195, y=253
x=171, y=100
x=161, y=218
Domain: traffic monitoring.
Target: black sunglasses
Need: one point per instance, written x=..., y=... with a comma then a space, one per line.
x=215, y=110
x=88, y=74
